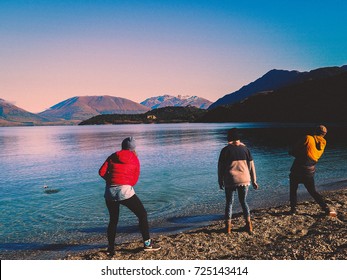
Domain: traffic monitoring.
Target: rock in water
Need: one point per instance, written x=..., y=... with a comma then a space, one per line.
x=50, y=191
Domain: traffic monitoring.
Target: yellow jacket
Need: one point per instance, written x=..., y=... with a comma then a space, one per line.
x=315, y=146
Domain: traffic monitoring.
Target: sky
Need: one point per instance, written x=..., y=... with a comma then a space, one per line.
x=54, y=50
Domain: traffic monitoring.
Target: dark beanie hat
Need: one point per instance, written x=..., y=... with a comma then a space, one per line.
x=233, y=135
x=321, y=130
x=129, y=144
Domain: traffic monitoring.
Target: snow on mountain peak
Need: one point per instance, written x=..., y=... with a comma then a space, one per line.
x=179, y=100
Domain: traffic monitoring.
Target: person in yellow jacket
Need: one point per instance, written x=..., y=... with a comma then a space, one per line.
x=307, y=152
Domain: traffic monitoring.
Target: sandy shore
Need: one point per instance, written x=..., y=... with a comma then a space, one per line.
x=277, y=236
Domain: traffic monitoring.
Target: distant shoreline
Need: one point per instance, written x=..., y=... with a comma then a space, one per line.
x=260, y=123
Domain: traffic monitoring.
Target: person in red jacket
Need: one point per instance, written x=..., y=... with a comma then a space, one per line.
x=121, y=172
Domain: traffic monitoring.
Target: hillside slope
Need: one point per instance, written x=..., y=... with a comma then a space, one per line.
x=13, y=115
x=161, y=115
x=314, y=100
x=276, y=79
x=84, y=107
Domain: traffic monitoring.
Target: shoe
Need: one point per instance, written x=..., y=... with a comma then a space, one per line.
x=332, y=213
x=293, y=211
x=228, y=226
x=110, y=252
x=249, y=226
x=150, y=245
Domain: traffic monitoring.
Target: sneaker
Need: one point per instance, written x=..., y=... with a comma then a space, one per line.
x=110, y=252
x=149, y=245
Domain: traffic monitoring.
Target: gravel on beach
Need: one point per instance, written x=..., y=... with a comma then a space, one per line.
x=278, y=235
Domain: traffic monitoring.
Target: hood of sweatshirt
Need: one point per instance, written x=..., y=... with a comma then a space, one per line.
x=315, y=147
x=124, y=156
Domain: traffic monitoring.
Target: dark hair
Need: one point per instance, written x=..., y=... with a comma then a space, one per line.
x=233, y=135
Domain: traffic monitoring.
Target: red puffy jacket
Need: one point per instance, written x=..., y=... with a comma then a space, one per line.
x=121, y=168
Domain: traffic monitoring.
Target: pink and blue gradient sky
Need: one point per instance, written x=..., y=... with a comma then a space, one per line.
x=54, y=50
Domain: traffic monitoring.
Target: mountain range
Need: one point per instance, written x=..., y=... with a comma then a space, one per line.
x=279, y=95
x=79, y=108
x=320, y=98
x=315, y=96
x=12, y=115
x=84, y=107
x=180, y=101
x=276, y=79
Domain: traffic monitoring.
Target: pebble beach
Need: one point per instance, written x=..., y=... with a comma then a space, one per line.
x=278, y=235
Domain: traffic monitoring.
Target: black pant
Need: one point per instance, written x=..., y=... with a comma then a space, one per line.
x=136, y=206
x=309, y=184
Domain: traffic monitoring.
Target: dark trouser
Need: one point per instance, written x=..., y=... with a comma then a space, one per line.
x=309, y=184
x=136, y=206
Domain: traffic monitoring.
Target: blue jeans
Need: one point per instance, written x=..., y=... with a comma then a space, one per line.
x=229, y=195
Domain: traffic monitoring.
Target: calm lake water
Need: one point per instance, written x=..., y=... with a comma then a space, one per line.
x=178, y=181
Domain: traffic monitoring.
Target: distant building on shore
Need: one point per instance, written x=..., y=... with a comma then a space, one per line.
x=151, y=117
